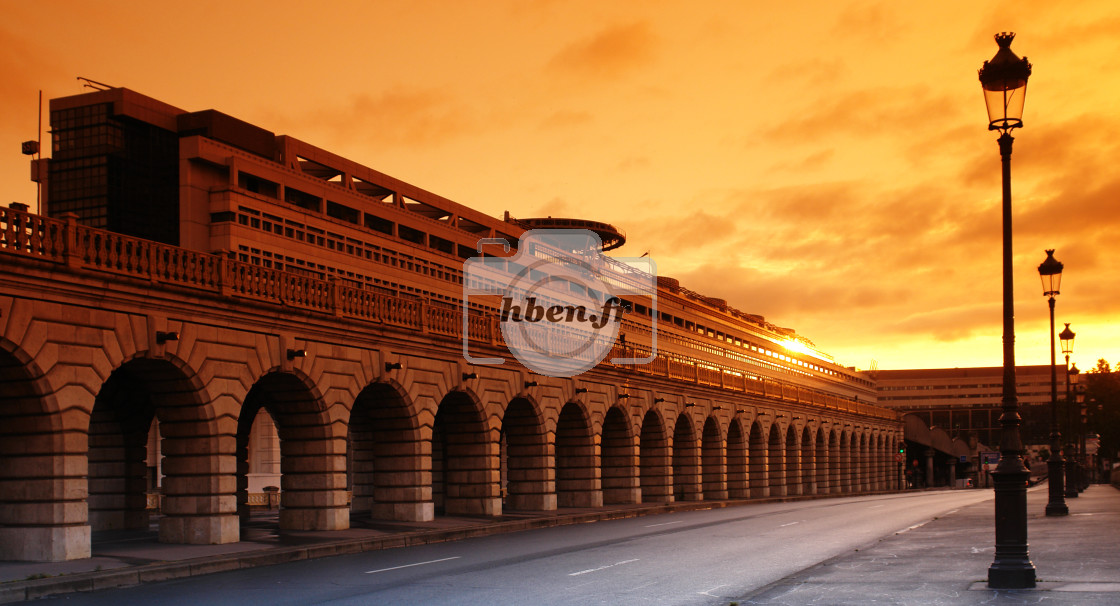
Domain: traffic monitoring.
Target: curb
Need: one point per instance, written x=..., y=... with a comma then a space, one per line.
x=18, y=591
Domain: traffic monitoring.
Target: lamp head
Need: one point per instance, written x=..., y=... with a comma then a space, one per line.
x=1051, y=273
x=1004, y=80
x=1067, y=336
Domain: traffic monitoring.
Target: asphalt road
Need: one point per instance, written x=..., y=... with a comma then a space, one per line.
x=698, y=557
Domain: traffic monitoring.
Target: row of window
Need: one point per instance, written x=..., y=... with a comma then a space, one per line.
x=342, y=212
x=287, y=228
x=954, y=386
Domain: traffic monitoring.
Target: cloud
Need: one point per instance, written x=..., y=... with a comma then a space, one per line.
x=876, y=23
x=400, y=116
x=566, y=118
x=608, y=53
x=864, y=112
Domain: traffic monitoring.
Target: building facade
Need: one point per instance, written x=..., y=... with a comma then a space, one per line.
x=965, y=402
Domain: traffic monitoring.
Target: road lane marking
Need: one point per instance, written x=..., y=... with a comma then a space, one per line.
x=790, y=524
x=709, y=593
x=875, y=507
x=664, y=524
x=576, y=574
x=411, y=565
x=913, y=527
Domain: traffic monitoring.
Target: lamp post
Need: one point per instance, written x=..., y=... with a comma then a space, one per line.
x=1004, y=81
x=1051, y=273
x=1072, y=375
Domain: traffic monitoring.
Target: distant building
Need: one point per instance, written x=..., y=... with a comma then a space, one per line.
x=965, y=402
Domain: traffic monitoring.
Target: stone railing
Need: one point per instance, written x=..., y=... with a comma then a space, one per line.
x=81, y=248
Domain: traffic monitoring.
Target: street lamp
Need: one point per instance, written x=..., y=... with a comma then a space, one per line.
x=1051, y=274
x=1004, y=81
x=1067, y=337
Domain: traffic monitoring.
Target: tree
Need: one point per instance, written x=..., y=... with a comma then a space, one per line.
x=1102, y=407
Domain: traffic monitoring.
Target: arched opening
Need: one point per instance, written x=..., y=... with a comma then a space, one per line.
x=835, y=463
x=712, y=462
x=824, y=485
x=878, y=464
x=526, y=481
x=263, y=468
x=154, y=448
x=808, y=463
x=465, y=460
x=577, y=466
x=123, y=414
x=686, y=461
x=656, y=474
x=386, y=459
x=619, y=460
x=738, y=486
x=848, y=470
x=775, y=462
x=792, y=463
x=759, y=485
x=862, y=464
x=43, y=508
x=312, y=490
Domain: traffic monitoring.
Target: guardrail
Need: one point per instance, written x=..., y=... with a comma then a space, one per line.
x=82, y=248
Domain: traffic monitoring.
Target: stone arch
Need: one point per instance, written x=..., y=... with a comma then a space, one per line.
x=686, y=461
x=858, y=462
x=878, y=462
x=125, y=450
x=42, y=459
x=822, y=462
x=808, y=462
x=312, y=452
x=792, y=462
x=835, y=461
x=387, y=476
x=527, y=462
x=655, y=470
x=758, y=462
x=738, y=480
x=712, y=462
x=848, y=462
x=465, y=459
x=776, y=461
x=619, y=460
x=577, y=462
x=864, y=468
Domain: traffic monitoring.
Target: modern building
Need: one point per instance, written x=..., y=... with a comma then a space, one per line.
x=965, y=402
x=212, y=183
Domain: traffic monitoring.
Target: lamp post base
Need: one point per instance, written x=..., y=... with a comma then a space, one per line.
x=1012, y=567
x=1054, y=470
x=1012, y=577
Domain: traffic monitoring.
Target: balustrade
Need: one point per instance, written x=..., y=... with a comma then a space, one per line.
x=90, y=249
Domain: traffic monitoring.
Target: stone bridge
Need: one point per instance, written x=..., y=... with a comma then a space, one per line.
x=377, y=412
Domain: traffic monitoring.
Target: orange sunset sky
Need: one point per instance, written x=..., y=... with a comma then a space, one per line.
x=825, y=164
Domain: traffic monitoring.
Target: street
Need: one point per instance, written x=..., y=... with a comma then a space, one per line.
x=699, y=557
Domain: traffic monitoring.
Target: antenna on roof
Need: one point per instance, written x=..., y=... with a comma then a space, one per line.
x=94, y=84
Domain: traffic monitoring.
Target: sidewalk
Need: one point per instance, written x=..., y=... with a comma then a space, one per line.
x=945, y=561
x=942, y=562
